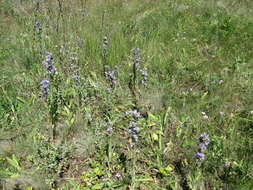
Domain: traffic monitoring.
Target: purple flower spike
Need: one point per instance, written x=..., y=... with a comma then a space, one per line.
x=44, y=85
x=204, y=141
x=48, y=64
x=133, y=129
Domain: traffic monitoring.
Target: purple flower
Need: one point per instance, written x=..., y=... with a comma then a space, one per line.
x=202, y=147
x=109, y=130
x=204, y=141
x=109, y=125
x=134, y=113
x=133, y=129
x=51, y=70
x=111, y=76
x=49, y=58
x=200, y=156
x=44, y=85
x=204, y=138
x=75, y=77
x=48, y=64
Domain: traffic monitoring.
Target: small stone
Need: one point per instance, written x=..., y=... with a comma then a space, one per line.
x=205, y=117
x=227, y=164
x=222, y=113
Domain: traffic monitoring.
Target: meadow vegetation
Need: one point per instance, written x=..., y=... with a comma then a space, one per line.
x=126, y=94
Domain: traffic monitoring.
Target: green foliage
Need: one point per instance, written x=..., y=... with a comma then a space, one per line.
x=13, y=169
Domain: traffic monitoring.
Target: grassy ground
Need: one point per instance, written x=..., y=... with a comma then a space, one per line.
x=99, y=121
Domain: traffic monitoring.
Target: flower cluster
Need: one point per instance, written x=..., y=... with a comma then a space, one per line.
x=48, y=64
x=109, y=125
x=50, y=70
x=133, y=129
x=204, y=141
x=111, y=75
x=44, y=85
x=200, y=156
x=134, y=113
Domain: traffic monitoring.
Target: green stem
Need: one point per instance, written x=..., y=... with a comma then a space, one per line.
x=133, y=169
x=109, y=155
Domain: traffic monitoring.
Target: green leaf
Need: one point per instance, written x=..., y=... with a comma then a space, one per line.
x=153, y=117
x=155, y=137
x=97, y=187
x=14, y=162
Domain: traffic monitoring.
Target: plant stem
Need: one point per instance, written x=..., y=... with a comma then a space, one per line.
x=133, y=174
